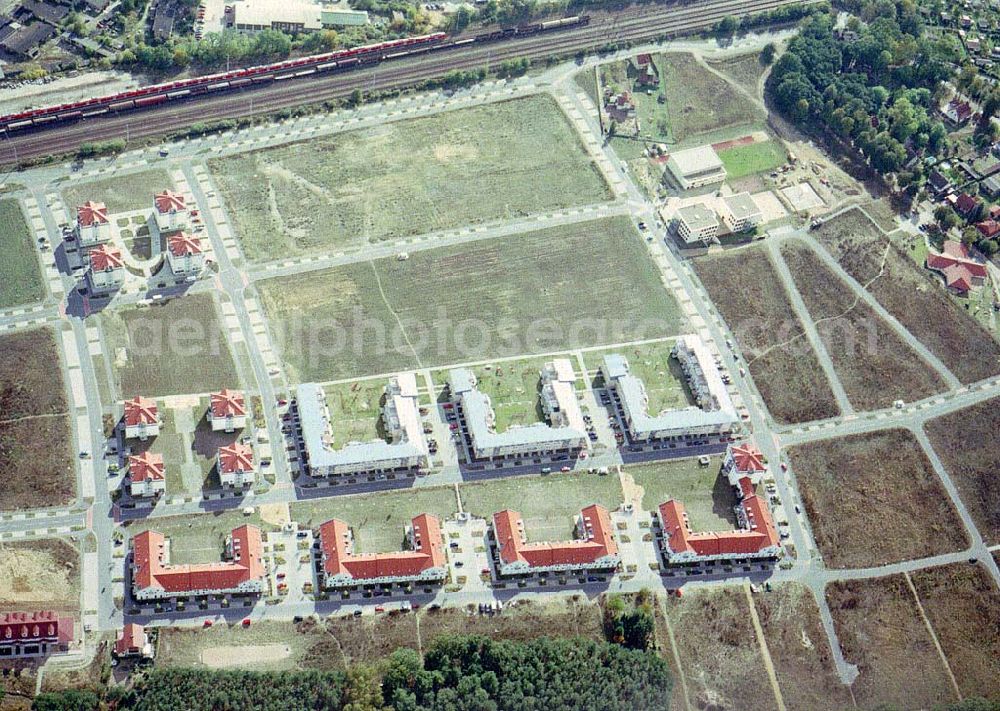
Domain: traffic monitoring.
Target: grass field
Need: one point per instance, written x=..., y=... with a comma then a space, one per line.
x=544, y=291
x=707, y=497
x=760, y=157
x=175, y=348
x=784, y=366
x=35, y=432
x=409, y=177
x=40, y=574
x=880, y=630
x=377, y=520
x=587, y=80
x=963, y=605
x=661, y=375
x=201, y=538
x=745, y=70
x=179, y=647
x=875, y=366
x=356, y=411
x=719, y=652
x=915, y=297
x=20, y=275
x=972, y=461
x=122, y=193
x=874, y=499
x=549, y=504
x=800, y=650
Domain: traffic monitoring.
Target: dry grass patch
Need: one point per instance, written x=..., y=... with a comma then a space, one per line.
x=874, y=499
x=875, y=365
x=41, y=574
x=520, y=622
x=30, y=383
x=880, y=630
x=748, y=292
x=972, y=460
x=37, y=457
x=121, y=193
x=190, y=647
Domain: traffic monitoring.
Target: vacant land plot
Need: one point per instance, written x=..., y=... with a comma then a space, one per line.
x=30, y=384
x=378, y=520
x=963, y=605
x=549, y=504
x=42, y=574
x=356, y=411
x=287, y=649
x=201, y=538
x=409, y=177
x=123, y=193
x=175, y=348
x=880, y=630
x=544, y=291
x=745, y=70
x=718, y=649
x=915, y=297
x=875, y=366
x=523, y=621
x=783, y=364
x=587, y=80
x=972, y=461
x=800, y=650
x=703, y=108
x=707, y=497
x=874, y=499
x=20, y=275
x=759, y=157
x=661, y=375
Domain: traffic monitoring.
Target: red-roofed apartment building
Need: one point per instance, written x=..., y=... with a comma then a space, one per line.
x=170, y=211
x=756, y=538
x=146, y=474
x=595, y=549
x=34, y=634
x=141, y=419
x=107, y=269
x=961, y=272
x=154, y=578
x=133, y=641
x=423, y=563
x=744, y=460
x=92, y=224
x=227, y=411
x=184, y=254
x=235, y=465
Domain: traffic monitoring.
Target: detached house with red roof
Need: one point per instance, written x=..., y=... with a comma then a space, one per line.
x=146, y=474
x=424, y=562
x=960, y=271
x=957, y=112
x=133, y=641
x=241, y=573
x=34, y=634
x=646, y=75
x=107, y=269
x=170, y=211
x=184, y=255
x=227, y=411
x=595, y=549
x=92, y=224
x=744, y=460
x=141, y=419
x=235, y=465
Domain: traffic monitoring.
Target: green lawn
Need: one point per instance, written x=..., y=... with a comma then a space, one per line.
x=661, y=375
x=548, y=503
x=707, y=497
x=550, y=290
x=402, y=178
x=760, y=157
x=20, y=274
x=356, y=411
x=378, y=520
x=122, y=193
x=200, y=538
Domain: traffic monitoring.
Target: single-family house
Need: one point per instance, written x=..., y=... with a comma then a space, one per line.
x=961, y=273
x=133, y=641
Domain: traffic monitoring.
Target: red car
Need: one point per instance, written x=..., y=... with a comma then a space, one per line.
x=246, y=622
x=207, y=623
x=379, y=609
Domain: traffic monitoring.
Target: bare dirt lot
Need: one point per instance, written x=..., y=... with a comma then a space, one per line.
x=42, y=574
x=972, y=461
x=913, y=296
x=880, y=630
x=756, y=308
x=875, y=366
x=874, y=499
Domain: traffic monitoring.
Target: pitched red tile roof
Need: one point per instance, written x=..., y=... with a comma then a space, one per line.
x=141, y=411
x=955, y=264
x=598, y=540
x=339, y=559
x=149, y=570
x=169, y=201
x=105, y=257
x=182, y=244
x=965, y=203
x=235, y=458
x=133, y=638
x=228, y=403
x=748, y=458
x=761, y=533
x=43, y=625
x=988, y=228
x=146, y=466
x=92, y=213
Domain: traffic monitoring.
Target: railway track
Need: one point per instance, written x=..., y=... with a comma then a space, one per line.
x=634, y=25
